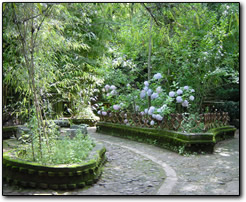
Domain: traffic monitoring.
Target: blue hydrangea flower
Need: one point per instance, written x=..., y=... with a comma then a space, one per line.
x=151, y=110
x=154, y=96
x=186, y=87
x=146, y=88
x=112, y=87
x=104, y=113
x=116, y=107
x=158, y=89
x=179, y=91
x=152, y=122
x=192, y=90
x=171, y=94
x=99, y=112
x=125, y=121
x=191, y=98
x=149, y=92
x=153, y=116
x=179, y=99
x=157, y=76
x=142, y=94
x=146, y=83
x=113, y=92
x=158, y=117
x=185, y=103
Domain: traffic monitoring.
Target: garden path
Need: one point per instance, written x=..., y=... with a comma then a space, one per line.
x=135, y=168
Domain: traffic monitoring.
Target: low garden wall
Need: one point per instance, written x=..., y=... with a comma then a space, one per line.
x=31, y=174
x=90, y=122
x=176, y=141
x=8, y=131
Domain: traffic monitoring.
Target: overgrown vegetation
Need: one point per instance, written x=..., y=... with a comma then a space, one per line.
x=57, y=57
x=59, y=151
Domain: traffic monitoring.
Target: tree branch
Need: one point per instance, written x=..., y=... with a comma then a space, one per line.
x=151, y=14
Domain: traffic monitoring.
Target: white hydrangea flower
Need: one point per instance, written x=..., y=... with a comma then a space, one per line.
x=99, y=112
x=179, y=91
x=171, y=94
x=157, y=76
x=113, y=92
x=191, y=97
x=179, y=99
x=112, y=87
x=149, y=92
x=185, y=103
x=152, y=123
x=186, y=87
x=146, y=111
x=154, y=95
x=137, y=108
x=146, y=83
x=158, y=89
x=107, y=87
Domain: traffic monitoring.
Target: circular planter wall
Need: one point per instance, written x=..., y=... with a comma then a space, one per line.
x=72, y=176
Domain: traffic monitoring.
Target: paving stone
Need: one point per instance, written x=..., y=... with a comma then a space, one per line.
x=128, y=173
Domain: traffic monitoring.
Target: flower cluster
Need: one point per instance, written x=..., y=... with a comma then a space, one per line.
x=112, y=88
x=183, y=95
x=162, y=102
x=148, y=91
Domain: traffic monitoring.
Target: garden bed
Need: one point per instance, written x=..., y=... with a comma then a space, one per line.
x=175, y=141
x=30, y=174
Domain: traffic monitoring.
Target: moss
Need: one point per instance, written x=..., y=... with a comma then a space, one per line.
x=176, y=141
x=60, y=176
x=9, y=128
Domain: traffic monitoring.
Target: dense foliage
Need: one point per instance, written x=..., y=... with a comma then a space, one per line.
x=58, y=57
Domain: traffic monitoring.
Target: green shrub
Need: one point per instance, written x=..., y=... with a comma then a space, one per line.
x=231, y=107
x=60, y=151
x=231, y=94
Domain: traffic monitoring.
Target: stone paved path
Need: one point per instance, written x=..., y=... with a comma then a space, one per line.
x=140, y=169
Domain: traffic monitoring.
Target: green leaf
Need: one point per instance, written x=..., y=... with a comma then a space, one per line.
x=40, y=8
x=15, y=7
x=4, y=4
x=237, y=18
x=197, y=21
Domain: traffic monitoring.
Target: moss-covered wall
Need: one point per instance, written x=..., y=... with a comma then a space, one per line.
x=8, y=131
x=55, y=177
x=176, y=141
x=90, y=122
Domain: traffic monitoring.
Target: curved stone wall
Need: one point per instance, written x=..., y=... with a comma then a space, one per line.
x=31, y=174
x=176, y=141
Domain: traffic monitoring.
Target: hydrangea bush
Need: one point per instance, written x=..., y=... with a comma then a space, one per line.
x=163, y=103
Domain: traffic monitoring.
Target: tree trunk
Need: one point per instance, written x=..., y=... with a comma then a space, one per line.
x=149, y=58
